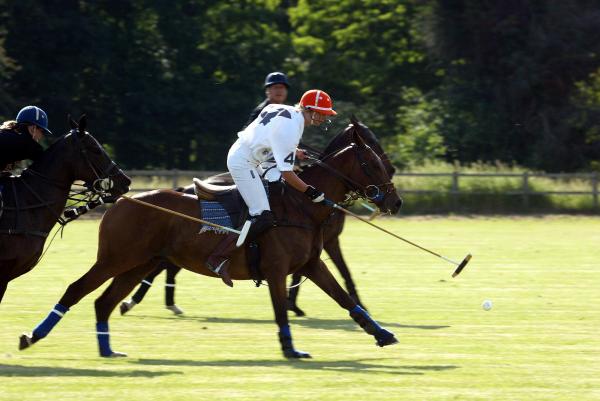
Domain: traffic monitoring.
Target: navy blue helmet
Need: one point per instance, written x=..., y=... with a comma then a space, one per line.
x=34, y=115
x=276, y=78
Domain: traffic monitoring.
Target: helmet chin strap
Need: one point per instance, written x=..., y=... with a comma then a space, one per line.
x=323, y=126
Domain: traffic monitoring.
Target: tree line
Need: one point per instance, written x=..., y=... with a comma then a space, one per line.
x=167, y=84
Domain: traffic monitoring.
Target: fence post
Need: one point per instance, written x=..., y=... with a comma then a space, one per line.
x=454, y=191
x=175, y=182
x=595, y=189
x=526, y=190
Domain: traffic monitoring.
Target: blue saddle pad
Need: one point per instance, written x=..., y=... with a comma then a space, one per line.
x=214, y=212
x=229, y=211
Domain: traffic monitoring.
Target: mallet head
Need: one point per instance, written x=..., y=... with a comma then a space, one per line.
x=461, y=265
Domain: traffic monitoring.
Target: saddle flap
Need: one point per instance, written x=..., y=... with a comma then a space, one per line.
x=210, y=192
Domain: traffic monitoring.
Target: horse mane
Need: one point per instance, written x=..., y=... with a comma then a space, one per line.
x=341, y=139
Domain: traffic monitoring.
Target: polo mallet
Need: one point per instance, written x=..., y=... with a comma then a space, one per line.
x=460, y=266
x=242, y=233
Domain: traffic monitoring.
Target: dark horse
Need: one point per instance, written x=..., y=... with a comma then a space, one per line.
x=293, y=245
x=34, y=201
x=331, y=231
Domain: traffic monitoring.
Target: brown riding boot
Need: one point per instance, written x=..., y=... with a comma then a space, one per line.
x=218, y=261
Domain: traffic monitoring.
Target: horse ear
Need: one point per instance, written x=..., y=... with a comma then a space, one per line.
x=353, y=119
x=357, y=139
x=72, y=122
x=82, y=123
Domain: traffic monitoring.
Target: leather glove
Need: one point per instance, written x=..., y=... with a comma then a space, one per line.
x=314, y=194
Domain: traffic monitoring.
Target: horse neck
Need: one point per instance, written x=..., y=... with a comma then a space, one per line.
x=51, y=179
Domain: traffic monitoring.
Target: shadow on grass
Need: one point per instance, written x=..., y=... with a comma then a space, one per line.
x=358, y=366
x=50, y=371
x=310, y=322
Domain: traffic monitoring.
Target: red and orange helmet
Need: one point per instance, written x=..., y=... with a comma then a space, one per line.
x=318, y=101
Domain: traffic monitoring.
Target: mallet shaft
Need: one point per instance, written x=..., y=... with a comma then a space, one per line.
x=338, y=207
x=185, y=216
x=460, y=266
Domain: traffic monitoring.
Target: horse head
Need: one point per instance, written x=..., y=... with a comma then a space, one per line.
x=374, y=160
x=362, y=173
x=91, y=162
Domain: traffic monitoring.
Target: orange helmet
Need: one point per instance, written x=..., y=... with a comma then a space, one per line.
x=318, y=101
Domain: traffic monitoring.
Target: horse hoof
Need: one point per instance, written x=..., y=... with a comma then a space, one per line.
x=175, y=309
x=385, y=337
x=115, y=354
x=294, y=354
x=125, y=307
x=25, y=341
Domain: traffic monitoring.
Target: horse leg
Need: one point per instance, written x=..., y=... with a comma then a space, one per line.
x=322, y=277
x=106, y=303
x=278, y=299
x=139, y=295
x=172, y=271
x=94, y=278
x=334, y=251
x=293, y=295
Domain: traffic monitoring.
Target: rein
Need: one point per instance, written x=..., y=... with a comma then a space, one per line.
x=363, y=191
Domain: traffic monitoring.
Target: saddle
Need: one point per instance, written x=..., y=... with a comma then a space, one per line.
x=221, y=205
x=225, y=206
x=211, y=192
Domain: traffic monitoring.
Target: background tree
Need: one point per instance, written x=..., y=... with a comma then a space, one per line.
x=511, y=69
x=168, y=84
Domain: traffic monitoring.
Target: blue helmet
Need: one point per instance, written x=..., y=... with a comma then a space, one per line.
x=34, y=115
x=276, y=78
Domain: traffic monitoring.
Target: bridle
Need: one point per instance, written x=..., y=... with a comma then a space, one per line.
x=94, y=192
x=104, y=179
x=372, y=192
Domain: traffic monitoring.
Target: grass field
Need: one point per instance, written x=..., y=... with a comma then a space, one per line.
x=541, y=340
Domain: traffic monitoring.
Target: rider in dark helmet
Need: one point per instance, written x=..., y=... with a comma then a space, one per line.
x=276, y=90
x=19, y=139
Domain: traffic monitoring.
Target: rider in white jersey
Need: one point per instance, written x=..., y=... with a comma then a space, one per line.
x=274, y=134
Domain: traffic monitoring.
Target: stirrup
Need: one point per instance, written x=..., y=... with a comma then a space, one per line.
x=219, y=269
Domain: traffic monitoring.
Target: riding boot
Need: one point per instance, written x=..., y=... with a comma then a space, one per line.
x=218, y=261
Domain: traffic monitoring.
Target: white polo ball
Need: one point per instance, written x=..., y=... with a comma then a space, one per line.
x=487, y=304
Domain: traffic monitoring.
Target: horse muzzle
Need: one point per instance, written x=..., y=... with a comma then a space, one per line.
x=115, y=186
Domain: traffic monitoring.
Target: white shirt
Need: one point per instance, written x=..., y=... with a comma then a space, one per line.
x=275, y=133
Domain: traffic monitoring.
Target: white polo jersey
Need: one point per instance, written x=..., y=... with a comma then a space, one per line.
x=275, y=133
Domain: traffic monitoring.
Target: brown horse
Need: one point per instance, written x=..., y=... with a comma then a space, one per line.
x=293, y=245
x=34, y=201
x=332, y=229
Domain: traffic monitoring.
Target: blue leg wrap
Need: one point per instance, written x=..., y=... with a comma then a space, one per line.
x=103, y=338
x=383, y=336
x=284, y=331
x=365, y=321
x=50, y=321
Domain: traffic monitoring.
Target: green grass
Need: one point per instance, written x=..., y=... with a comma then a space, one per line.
x=539, y=342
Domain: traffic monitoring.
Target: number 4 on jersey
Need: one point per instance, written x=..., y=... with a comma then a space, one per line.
x=289, y=158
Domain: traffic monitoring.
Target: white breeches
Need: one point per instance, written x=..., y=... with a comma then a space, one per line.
x=246, y=173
